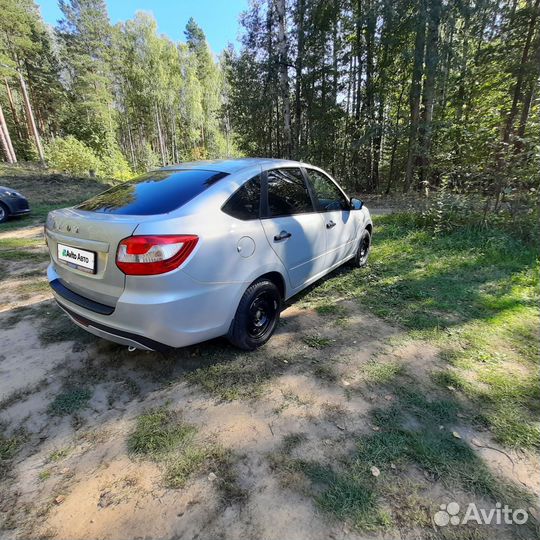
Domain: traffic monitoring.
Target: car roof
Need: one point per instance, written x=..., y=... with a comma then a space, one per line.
x=233, y=165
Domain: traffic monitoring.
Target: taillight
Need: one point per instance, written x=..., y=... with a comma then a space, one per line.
x=151, y=255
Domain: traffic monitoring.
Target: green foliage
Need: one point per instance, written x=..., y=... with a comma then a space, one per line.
x=68, y=155
x=470, y=288
x=241, y=378
x=114, y=165
x=414, y=94
x=85, y=36
x=162, y=436
x=58, y=455
x=70, y=400
x=71, y=156
x=159, y=431
x=412, y=433
x=9, y=446
x=316, y=342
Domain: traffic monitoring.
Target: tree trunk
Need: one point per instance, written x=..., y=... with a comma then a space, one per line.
x=447, y=64
x=356, y=169
x=529, y=94
x=31, y=120
x=395, y=141
x=415, y=92
x=359, y=66
x=130, y=140
x=284, y=76
x=518, y=87
x=516, y=98
x=13, y=110
x=527, y=102
x=6, y=140
x=431, y=67
x=160, y=136
x=369, y=33
x=298, y=82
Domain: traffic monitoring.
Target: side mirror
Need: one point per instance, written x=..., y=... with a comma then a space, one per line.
x=356, y=204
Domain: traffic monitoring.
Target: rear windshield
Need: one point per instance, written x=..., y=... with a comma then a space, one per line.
x=158, y=192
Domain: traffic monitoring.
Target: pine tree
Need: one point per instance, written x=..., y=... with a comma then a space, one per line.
x=85, y=36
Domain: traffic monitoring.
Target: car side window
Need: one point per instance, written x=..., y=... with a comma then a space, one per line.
x=327, y=195
x=244, y=203
x=288, y=193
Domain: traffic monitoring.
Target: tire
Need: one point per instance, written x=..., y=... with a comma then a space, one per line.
x=257, y=316
x=362, y=253
x=4, y=213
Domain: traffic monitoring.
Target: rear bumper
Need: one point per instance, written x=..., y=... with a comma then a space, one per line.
x=113, y=334
x=188, y=313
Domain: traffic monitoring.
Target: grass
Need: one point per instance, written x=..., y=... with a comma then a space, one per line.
x=57, y=327
x=471, y=291
x=316, y=342
x=244, y=377
x=59, y=454
x=325, y=372
x=21, y=249
x=291, y=398
x=71, y=400
x=157, y=432
x=415, y=432
x=162, y=436
x=30, y=287
x=377, y=372
x=20, y=395
x=9, y=446
x=44, y=475
x=20, y=243
x=328, y=308
x=41, y=186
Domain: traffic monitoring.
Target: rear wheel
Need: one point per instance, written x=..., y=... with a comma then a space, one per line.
x=257, y=316
x=362, y=253
x=4, y=213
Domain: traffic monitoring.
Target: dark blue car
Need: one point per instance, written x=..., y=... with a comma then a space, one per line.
x=12, y=203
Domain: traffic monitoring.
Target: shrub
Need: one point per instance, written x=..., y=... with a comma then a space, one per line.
x=113, y=164
x=67, y=154
x=147, y=158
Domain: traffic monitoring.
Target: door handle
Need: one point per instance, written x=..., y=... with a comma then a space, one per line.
x=283, y=235
x=330, y=224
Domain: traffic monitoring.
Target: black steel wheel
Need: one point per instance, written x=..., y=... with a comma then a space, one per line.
x=257, y=315
x=364, y=248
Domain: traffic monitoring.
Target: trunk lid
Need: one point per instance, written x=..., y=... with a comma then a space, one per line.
x=93, y=232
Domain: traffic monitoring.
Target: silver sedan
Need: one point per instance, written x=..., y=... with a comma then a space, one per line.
x=200, y=250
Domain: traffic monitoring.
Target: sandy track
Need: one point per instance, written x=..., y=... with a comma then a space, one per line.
x=96, y=490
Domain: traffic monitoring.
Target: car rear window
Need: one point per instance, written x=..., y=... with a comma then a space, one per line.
x=158, y=192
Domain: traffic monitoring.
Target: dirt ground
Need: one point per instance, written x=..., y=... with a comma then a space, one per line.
x=73, y=476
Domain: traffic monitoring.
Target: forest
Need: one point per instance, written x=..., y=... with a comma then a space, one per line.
x=389, y=394
x=388, y=95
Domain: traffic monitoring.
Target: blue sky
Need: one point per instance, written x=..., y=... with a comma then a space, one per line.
x=218, y=18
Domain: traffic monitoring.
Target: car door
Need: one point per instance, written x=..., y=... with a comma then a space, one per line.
x=292, y=226
x=339, y=223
